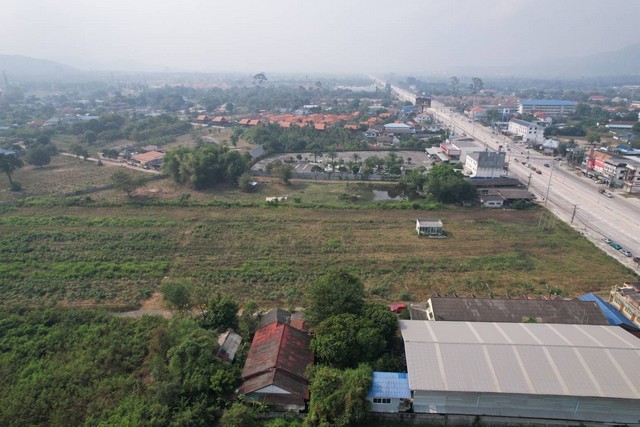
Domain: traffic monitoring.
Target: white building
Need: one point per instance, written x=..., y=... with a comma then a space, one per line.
x=632, y=180
x=485, y=164
x=527, y=130
x=398, y=128
x=551, y=107
x=517, y=371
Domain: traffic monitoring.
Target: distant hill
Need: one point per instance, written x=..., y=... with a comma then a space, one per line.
x=19, y=68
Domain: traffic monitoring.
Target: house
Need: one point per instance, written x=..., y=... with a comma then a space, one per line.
x=149, y=159
x=520, y=373
x=491, y=199
x=612, y=314
x=389, y=392
x=229, y=343
x=626, y=298
x=509, y=310
x=429, y=227
x=632, y=180
x=274, y=372
x=550, y=146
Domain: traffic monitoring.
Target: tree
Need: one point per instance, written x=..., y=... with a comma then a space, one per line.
x=636, y=128
x=79, y=151
x=220, y=314
x=286, y=172
x=448, y=186
x=338, y=398
x=38, y=156
x=476, y=85
x=336, y=292
x=8, y=164
x=90, y=137
x=593, y=137
x=259, y=78
x=239, y=415
x=344, y=340
x=177, y=295
x=126, y=182
x=245, y=182
x=454, y=82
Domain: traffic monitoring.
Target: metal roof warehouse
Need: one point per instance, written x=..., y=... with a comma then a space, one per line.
x=524, y=370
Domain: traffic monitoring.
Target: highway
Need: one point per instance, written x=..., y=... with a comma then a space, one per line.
x=572, y=198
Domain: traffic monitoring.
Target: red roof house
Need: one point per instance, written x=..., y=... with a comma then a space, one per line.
x=274, y=372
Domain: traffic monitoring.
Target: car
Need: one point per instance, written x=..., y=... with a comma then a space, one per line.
x=615, y=246
x=625, y=252
x=538, y=171
x=546, y=165
x=609, y=195
x=606, y=240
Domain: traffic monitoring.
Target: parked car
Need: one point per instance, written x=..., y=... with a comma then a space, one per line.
x=538, y=171
x=609, y=195
x=546, y=165
x=625, y=252
x=615, y=246
x=607, y=240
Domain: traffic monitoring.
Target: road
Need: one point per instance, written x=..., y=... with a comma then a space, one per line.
x=572, y=198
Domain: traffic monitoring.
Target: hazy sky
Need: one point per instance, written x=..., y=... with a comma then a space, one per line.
x=312, y=35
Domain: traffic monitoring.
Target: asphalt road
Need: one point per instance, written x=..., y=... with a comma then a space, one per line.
x=572, y=198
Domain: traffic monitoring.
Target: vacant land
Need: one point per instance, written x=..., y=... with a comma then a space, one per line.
x=120, y=255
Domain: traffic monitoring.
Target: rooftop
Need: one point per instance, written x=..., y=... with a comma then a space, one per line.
x=522, y=358
x=390, y=384
x=547, y=102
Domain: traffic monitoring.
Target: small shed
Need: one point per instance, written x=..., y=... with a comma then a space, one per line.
x=429, y=227
x=389, y=392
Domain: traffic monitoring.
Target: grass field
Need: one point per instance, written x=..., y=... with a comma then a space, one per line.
x=120, y=255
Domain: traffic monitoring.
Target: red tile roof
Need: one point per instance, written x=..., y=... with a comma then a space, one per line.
x=244, y=121
x=279, y=355
x=202, y=117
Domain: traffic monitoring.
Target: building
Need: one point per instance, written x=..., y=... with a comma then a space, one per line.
x=398, y=128
x=274, y=372
x=626, y=298
x=612, y=314
x=631, y=182
x=484, y=164
x=389, y=392
x=509, y=310
x=528, y=131
x=625, y=125
x=149, y=159
x=429, y=227
x=522, y=372
x=551, y=107
x=229, y=343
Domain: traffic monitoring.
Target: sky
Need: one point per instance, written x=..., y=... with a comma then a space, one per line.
x=342, y=36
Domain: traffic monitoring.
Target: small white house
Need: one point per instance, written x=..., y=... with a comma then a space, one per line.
x=429, y=227
x=389, y=392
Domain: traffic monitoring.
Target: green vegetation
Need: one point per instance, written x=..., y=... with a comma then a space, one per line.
x=74, y=367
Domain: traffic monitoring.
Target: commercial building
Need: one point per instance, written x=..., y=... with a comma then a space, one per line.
x=522, y=371
x=528, y=131
x=484, y=164
x=551, y=107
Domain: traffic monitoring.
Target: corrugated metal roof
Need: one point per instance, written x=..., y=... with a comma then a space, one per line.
x=390, y=384
x=516, y=310
x=612, y=314
x=522, y=358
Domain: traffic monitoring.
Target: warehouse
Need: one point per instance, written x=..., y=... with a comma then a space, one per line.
x=585, y=373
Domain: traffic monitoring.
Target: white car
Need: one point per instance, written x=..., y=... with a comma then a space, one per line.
x=625, y=252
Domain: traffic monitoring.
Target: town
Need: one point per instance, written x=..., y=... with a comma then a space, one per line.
x=309, y=215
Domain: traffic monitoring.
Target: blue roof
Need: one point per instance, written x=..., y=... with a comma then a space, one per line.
x=546, y=102
x=7, y=152
x=612, y=314
x=390, y=384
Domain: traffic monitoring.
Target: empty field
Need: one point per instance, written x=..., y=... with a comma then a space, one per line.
x=118, y=256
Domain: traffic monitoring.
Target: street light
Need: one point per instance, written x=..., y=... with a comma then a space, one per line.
x=553, y=164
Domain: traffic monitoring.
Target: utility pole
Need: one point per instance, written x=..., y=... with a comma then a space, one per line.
x=574, y=213
x=553, y=164
x=529, y=181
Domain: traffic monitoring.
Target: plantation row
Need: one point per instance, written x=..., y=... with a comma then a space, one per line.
x=121, y=255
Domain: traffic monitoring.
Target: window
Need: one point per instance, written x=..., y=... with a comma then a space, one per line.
x=381, y=400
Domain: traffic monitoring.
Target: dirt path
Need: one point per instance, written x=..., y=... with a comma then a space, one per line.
x=153, y=306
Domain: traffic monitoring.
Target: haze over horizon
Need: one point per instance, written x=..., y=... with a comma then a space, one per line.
x=329, y=36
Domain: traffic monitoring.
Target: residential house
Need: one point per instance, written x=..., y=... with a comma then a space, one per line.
x=149, y=159
x=389, y=392
x=229, y=343
x=429, y=227
x=274, y=372
x=626, y=298
x=519, y=373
